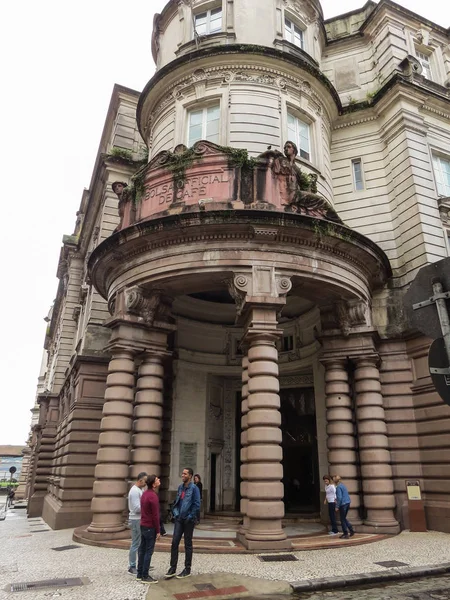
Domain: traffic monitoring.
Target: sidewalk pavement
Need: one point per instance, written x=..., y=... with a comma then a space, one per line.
x=30, y=551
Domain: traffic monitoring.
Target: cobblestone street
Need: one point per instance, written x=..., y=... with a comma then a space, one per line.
x=435, y=588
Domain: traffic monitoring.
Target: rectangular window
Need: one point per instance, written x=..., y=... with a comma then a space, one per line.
x=293, y=34
x=358, y=180
x=288, y=343
x=424, y=60
x=298, y=132
x=442, y=175
x=208, y=22
x=203, y=124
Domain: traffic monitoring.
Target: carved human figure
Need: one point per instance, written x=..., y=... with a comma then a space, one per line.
x=118, y=187
x=303, y=197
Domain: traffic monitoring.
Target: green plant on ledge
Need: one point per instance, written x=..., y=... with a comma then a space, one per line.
x=239, y=158
x=178, y=163
x=123, y=153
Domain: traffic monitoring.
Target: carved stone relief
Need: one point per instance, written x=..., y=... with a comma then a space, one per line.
x=150, y=306
x=229, y=74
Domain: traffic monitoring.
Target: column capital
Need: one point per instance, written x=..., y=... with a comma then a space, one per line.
x=262, y=286
x=338, y=361
x=366, y=360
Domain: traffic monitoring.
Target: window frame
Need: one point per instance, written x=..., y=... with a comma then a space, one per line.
x=294, y=25
x=440, y=157
x=208, y=12
x=204, y=107
x=354, y=162
x=425, y=57
x=295, y=114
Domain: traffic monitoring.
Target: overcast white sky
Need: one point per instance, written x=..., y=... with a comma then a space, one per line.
x=60, y=61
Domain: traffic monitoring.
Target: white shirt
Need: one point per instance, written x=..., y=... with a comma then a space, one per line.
x=134, y=502
x=330, y=491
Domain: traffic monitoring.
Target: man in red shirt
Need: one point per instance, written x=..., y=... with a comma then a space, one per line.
x=149, y=528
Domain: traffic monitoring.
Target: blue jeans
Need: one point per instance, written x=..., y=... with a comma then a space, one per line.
x=332, y=515
x=187, y=528
x=135, y=526
x=148, y=539
x=346, y=525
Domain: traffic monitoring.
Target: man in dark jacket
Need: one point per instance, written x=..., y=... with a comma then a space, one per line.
x=149, y=529
x=185, y=510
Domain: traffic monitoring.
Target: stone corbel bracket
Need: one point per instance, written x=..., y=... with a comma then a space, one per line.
x=261, y=284
x=150, y=306
x=410, y=66
x=346, y=317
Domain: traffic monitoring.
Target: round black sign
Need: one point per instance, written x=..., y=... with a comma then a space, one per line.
x=437, y=359
x=12, y=470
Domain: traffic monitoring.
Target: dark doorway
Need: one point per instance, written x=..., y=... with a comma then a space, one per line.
x=212, y=489
x=300, y=458
x=237, y=428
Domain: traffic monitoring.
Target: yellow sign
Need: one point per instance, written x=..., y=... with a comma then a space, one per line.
x=413, y=490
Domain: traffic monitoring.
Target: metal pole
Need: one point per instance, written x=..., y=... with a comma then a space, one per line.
x=443, y=315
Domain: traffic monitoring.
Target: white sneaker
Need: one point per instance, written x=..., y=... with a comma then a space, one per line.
x=332, y=533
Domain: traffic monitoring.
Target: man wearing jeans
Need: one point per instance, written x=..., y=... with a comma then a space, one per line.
x=134, y=507
x=149, y=529
x=342, y=506
x=185, y=510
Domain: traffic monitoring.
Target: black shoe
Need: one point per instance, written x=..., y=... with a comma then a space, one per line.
x=132, y=571
x=352, y=533
x=344, y=536
x=164, y=534
x=138, y=577
x=148, y=580
x=170, y=573
x=184, y=573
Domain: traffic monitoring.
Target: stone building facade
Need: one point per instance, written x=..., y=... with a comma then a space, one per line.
x=233, y=306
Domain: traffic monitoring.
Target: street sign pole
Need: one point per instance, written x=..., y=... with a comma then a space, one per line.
x=439, y=299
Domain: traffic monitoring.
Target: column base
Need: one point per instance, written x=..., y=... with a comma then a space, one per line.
x=86, y=536
x=36, y=504
x=353, y=517
x=262, y=545
x=59, y=515
x=388, y=528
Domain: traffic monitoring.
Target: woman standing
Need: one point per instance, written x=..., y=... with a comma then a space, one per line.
x=342, y=505
x=330, y=499
x=199, y=484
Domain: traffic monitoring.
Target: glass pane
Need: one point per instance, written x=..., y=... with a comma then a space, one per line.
x=200, y=24
x=216, y=20
x=195, y=134
x=212, y=129
x=298, y=37
x=213, y=113
x=212, y=124
x=195, y=117
x=288, y=30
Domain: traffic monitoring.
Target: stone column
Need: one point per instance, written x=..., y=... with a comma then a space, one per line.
x=265, y=507
x=111, y=472
x=22, y=487
x=342, y=457
x=244, y=445
x=377, y=480
x=148, y=414
x=44, y=456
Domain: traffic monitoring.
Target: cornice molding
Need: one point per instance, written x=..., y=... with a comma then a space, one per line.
x=216, y=228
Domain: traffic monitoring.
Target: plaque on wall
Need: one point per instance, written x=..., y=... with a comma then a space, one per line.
x=188, y=456
x=413, y=490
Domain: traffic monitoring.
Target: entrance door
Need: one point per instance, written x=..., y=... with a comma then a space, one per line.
x=213, y=483
x=300, y=457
